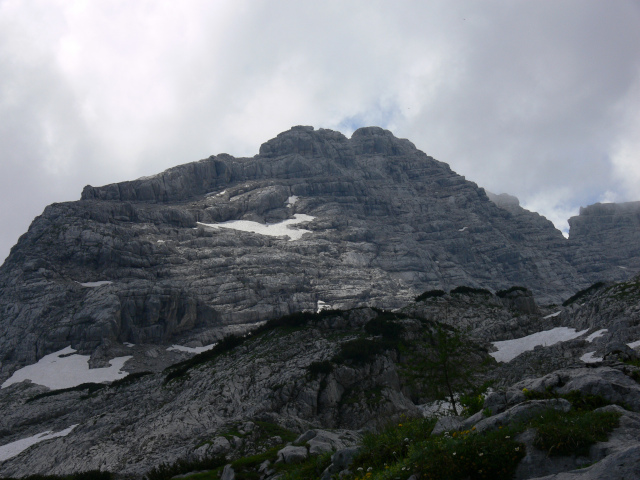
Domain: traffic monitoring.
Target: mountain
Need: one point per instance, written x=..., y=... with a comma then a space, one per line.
x=320, y=236
x=140, y=261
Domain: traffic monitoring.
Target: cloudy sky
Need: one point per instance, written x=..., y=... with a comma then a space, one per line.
x=540, y=99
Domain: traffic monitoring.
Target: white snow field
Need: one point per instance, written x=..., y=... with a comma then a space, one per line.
x=13, y=449
x=65, y=369
x=634, y=344
x=273, y=230
x=510, y=349
x=96, y=284
x=180, y=348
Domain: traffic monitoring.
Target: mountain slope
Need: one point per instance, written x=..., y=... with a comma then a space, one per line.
x=388, y=223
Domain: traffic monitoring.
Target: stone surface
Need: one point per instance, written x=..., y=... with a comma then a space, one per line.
x=292, y=454
x=605, y=241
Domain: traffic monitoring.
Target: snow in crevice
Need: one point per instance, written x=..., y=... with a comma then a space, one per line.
x=554, y=314
x=215, y=194
x=65, y=369
x=181, y=348
x=510, y=349
x=14, y=449
x=462, y=229
x=95, y=284
x=291, y=201
x=273, y=230
x=595, y=335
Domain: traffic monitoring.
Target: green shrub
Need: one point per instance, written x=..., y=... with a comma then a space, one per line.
x=227, y=344
x=165, y=471
x=89, y=387
x=470, y=290
x=579, y=401
x=504, y=293
x=430, y=294
x=312, y=468
x=572, y=433
x=320, y=368
x=129, y=379
x=391, y=443
x=583, y=293
x=360, y=351
x=385, y=326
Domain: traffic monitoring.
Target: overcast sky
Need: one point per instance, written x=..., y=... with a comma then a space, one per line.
x=539, y=99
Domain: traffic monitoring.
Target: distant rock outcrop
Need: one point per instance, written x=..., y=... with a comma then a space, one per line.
x=605, y=241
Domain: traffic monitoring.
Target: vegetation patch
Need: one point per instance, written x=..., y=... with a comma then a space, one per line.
x=504, y=293
x=407, y=448
x=129, y=379
x=579, y=401
x=430, y=294
x=165, y=471
x=228, y=343
x=312, y=468
x=470, y=290
x=320, y=368
x=361, y=351
x=627, y=290
x=583, y=293
x=89, y=387
x=572, y=433
x=385, y=326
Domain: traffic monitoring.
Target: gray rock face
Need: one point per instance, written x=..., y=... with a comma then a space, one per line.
x=389, y=222
x=605, y=241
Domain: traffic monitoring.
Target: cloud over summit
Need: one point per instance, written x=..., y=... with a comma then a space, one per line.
x=536, y=99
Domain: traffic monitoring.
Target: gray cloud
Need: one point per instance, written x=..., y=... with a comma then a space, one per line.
x=537, y=99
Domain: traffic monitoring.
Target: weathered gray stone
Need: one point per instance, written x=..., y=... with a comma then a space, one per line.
x=292, y=454
x=228, y=473
x=521, y=412
x=447, y=424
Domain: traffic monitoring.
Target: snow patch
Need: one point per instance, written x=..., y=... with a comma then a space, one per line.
x=554, y=314
x=624, y=268
x=595, y=335
x=160, y=241
x=323, y=306
x=590, y=357
x=634, y=344
x=180, y=348
x=462, y=229
x=291, y=201
x=63, y=369
x=127, y=344
x=13, y=449
x=273, y=230
x=95, y=284
x=510, y=349
x=215, y=194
